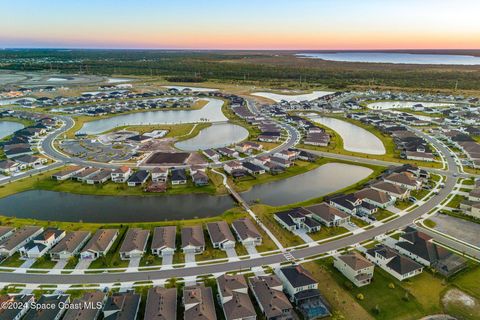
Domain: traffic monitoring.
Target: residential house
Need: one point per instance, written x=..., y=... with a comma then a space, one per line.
x=70, y=245
x=231, y=166
x=246, y=232
x=67, y=173
x=375, y=197
x=233, y=296
x=138, y=178
x=421, y=248
x=348, y=203
x=355, y=267
x=163, y=242
x=159, y=174
x=83, y=175
x=134, y=243
x=43, y=242
x=297, y=219
x=284, y=163
x=302, y=289
x=88, y=307
x=200, y=178
x=328, y=215
x=404, y=180
x=99, y=244
x=100, y=177
x=18, y=239
x=179, y=176
x=122, y=306
x=14, y=307
x=211, y=154
x=54, y=310
x=419, y=156
x=193, y=240
x=6, y=232
x=227, y=152
x=273, y=303
x=393, y=190
x=253, y=169
x=121, y=175
x=161, y=304
x=29, y=161
x=248, y=147
x=220, y=235
x=9, y=166
x=399, y=266
x=198, y=302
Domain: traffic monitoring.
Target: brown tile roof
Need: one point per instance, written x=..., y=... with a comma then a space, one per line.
x=100, y=240
x=246, y=229
x=219, y=231
x=70, y=242
x=355, y=261
x=193, y=236
x=202, y=304
x=161, y=304
x=164, y=237
x=135, y=239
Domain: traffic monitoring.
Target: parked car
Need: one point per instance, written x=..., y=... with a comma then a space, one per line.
x=412, y=199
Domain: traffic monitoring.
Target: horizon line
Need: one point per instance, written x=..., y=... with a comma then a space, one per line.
x=218, y=49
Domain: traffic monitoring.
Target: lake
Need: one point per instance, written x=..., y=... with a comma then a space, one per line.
x=315, y=183
x=292, y=97
x=216, y=136
x=355, y=138
x=392, y=57
x=195, y=89
x=9, y=127
x=211, y=112
x=60, y=206
x=385, y=105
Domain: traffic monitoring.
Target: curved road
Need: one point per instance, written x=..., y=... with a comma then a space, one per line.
x=107, y=278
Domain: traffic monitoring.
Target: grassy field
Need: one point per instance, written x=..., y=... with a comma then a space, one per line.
x=388, y=298
x=181, y=131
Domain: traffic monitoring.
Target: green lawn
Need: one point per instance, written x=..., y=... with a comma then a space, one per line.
x=382, y=214
x=328, y=232
x=455, y=202
x=44, y=263
x=13, y=262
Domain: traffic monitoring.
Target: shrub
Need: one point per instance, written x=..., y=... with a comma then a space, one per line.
x=360, y=297
x=391, y=285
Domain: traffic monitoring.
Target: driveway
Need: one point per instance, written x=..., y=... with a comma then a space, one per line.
x=252, y=250
x=305, y=237
x=167, y=261
x=27, y=264
x=57, y=268
x=231, y=254
x=190, y=259
x=134, y=263
x=83, y=264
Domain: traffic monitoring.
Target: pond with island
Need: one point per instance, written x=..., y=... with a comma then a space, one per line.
x=211, y=112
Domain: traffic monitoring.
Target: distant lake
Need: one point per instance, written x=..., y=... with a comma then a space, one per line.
x=9, y=127
x=292, y=97
x=392, y=57
x=216, y=136
x=355, y=138
x=212, y=112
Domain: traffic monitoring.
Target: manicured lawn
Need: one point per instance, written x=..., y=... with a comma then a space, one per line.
x=359, y=222
x=382, y=214
x=12, y=262
x=149, y=259
x=44, y=263
x=380, y=300
x=430, y=223
x=341, y=302
x=455, y=202
x=326, y=232
x=468, y=280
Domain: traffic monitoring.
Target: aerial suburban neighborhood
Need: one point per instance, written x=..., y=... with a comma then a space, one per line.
x=293, y=161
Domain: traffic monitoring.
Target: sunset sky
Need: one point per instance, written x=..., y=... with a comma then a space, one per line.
x=241, y=24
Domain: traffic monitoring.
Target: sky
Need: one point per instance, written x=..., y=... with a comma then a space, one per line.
x=241, y=24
